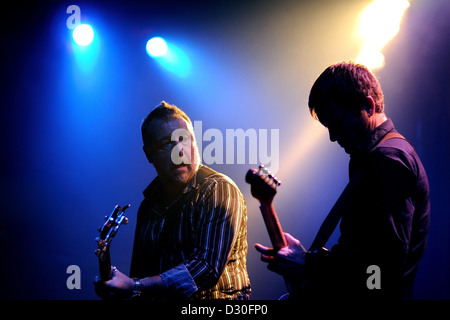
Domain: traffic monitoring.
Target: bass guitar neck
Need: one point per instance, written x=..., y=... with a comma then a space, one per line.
x=264, y=187
x=273, y=226
x=105, y=267
x=107, y=233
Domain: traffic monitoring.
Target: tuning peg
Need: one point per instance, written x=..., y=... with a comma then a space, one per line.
x=99, y=229
x=277, y=181
x=98, y=253
x=125, y=220
x=97, y=239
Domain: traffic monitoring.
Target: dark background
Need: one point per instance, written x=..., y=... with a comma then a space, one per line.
x=70, y=139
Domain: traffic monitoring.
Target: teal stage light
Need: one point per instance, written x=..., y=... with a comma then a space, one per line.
x=156, y=47
x=83, y=34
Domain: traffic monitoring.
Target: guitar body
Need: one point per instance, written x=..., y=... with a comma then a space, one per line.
x=107, y=233
x=264, y=187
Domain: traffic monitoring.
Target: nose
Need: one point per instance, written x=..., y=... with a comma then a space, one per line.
x=180, y=149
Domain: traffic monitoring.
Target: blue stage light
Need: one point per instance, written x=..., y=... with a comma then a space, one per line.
x=156, y=47
x=169, y=56
x=83, y=34
x=85, y=47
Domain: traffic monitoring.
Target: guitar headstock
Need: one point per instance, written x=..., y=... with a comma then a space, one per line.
x=263, y=184
x=109, y=230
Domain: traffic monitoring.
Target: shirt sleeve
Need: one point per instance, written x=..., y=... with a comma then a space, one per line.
x=179, y=280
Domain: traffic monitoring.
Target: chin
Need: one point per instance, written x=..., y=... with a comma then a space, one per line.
x=183, y=177
x=347, y=149
x=177, y=175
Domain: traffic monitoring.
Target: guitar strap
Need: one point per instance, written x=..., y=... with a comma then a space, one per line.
x=331, y=221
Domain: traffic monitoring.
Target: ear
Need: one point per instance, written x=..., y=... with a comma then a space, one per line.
x=148, y=153
x=369, y=106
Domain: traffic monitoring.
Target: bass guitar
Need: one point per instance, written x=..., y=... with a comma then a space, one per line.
x=264, y=187
x=107, y=233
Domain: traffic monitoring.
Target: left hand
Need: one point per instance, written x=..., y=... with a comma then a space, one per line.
x=120, y=286
x=288, y=261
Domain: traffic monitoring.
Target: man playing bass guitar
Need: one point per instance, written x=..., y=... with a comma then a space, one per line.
x=191, y=233
x=384, y=211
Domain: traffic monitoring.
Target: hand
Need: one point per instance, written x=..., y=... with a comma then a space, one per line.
x=288, y=261
x=119, y=287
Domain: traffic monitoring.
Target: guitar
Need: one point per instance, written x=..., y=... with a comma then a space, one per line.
x=264, y=187
x=107, y=233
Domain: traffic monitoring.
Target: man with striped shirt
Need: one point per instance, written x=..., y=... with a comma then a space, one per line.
x=191, y=232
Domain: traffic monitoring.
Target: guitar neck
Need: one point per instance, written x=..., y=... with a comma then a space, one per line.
x=105, y=267
x=273, y=226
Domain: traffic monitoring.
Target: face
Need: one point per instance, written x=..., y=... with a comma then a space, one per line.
x=173, y=152
x=348, y=128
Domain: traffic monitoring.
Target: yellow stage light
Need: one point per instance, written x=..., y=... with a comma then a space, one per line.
x=379, y=23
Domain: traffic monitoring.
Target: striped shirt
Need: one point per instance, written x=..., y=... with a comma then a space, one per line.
x=204, y=255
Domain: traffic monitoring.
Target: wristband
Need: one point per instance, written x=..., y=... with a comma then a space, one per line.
x=137, y=290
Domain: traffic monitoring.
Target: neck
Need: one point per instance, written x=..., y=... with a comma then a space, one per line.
x=376, y=120
x=371, y=124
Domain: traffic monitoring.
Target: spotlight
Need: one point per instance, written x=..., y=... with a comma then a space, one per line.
x=156, y=47
x=379, y=23
x=169, y=56
x=83, y=34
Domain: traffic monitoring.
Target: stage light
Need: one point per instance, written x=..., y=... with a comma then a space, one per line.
x=169, y=56
x=85, y=47
x=83, y=34
x=379, y=23
x=156, y=47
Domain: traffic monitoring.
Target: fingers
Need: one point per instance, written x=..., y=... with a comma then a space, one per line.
x=288, y=261
x=100, y=289
x=267, y=254
x=289, y=238
x=264, y=250
x=293, y=242
x=106, y=289
x=269, y=251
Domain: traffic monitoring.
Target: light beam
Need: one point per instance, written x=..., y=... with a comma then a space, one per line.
x=379, y=23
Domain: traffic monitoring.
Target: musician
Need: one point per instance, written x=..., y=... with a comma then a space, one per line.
x=384, y=227
x=191, y=234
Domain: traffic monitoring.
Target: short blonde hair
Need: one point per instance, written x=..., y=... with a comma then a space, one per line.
x=165, y=112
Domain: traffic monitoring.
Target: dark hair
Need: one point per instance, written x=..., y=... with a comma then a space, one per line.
x=346, y=84
x=165, y=112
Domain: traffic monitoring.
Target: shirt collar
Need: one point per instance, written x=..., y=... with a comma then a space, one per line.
x=378, y=134
x=156, y=185
x=154, y=189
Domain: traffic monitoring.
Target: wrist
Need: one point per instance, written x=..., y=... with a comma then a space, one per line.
x=137, y=288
